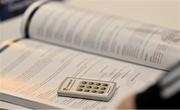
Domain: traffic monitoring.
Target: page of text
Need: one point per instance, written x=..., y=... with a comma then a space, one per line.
x=36, y=70
x=119, y=38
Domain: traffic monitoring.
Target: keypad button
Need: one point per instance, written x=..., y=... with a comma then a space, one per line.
x=96, y=87
x=103, y=88
x=81, y=86
x=83, y=82
x=101, y=92
x=105, y=85
x=86, y=90
x=91, y=83
x=93, y=91
x=98, y=84
x=89, y=87
x=79, y=90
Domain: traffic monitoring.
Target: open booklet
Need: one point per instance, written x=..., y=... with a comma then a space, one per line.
x=65, y=41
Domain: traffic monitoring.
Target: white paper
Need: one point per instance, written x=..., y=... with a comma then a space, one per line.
x=35, y=70
x=114, y=37
x=9, y=106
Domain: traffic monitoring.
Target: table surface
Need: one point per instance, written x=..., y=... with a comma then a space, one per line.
x=161, y=12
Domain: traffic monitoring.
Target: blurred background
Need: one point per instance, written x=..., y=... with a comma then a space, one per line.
x=12, y=8
x=160, y=12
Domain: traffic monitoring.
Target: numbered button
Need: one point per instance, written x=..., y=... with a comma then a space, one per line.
x=86, y=90
x=103, y=88
x=98, y=84
x=93, y=91
x=89, y=87
x=81, y=86
x=91, y=83
x=80, y=90
x=83, y=82
x=101, y=92
x=105, y=85
x=96, y=87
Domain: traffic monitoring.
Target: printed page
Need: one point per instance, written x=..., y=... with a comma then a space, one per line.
x=114, y=37
x=35, y=70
